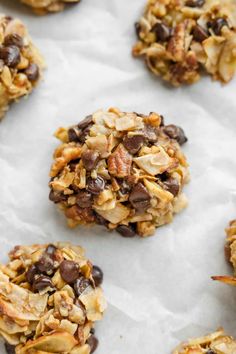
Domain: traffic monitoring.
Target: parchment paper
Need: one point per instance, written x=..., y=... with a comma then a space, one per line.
x=158, y=289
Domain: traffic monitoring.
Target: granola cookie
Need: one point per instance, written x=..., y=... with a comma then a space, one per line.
x=215, y=343
x=42, y=7
x=122, y=170
x=50, y=297
x=20, y=62
x=179, y=38
x=230, y=253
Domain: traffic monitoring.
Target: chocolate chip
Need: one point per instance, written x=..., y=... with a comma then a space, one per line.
x=81, y=285
x=10, y=349
x=45, y=264
x=162, y=31
x=175, y=132
x=30, y=274
x=10, y=55
x=93, y=342
x=125, y=231
x=73, y=135
x=133, y=143
x=69, y=271
x=96, y=186
x=210, y=351
x=85, y=122
x=217, y=25
x=56, y=197
x=195, y=3
x=42, y=282
x=32, y=72
x=100, y=220
x=97, y=275
x=137, y=28
x=51, y=249
x=92, y=330
x=84, y=133
x=139, y=197
x=172, y=186
x=150, y=133
x=162, y=121
x=199, y=34
x=14, y=39
x=84, y=199
x=90, y=159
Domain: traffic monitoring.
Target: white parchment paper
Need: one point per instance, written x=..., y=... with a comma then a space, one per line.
x=158, y=289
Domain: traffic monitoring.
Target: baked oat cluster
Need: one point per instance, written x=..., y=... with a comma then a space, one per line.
x=50, y=297
x=20, y=62
x=230, y=253
x=179, y=38
x=42, y=7
x=215, y=343
x=122, y=170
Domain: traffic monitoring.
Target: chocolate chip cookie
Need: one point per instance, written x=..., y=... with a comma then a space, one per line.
x=50, y=297
x=20, y=62
x=214, y=343
x=230, y=253
x=125, y=171
x=180, y=39
x=42, y=7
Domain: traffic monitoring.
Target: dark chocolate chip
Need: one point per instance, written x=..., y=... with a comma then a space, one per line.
x=10, y=55
x=175, y=132
x=150, y=133
x=84, y=199
x=30, y=274
x=73, y=135
x=14, y=39
x=96, y=186
x=51, y=249
x=56, y=197
x=162, y=31
x=45, y=264
x=92, y=330
x=10, y=349
x=84, y=133
x=137, y=28
x=210, y=351
x=217, y=25
x=97, y=275
x=32, y=72
x=124, y=187
x=69, y=271
x=139, y=197
x=93, y=342
x=90, y=159
x=195, y=3
x=85, y=122
x=199, y=34
x=42, y=282
x=172, y=186
x=162, y=121
x=125, y=231
x=133, y=143
x=80, y=285
x=100, y=220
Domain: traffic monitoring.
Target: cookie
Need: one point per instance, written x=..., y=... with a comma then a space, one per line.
x=181, y=39
x=214, y=343
x=50, y=297
x=230, y=254
x=42, y=7
x=122, y=170
x=20, y=62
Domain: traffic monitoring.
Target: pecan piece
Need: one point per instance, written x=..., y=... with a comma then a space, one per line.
x=119, y=163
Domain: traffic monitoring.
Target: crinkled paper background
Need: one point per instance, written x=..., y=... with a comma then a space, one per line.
x=159, y=289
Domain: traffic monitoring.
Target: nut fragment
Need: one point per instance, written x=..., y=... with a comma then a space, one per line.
x=180, y=38
x=128, y=175
x=21, y=64
x=42, y=313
